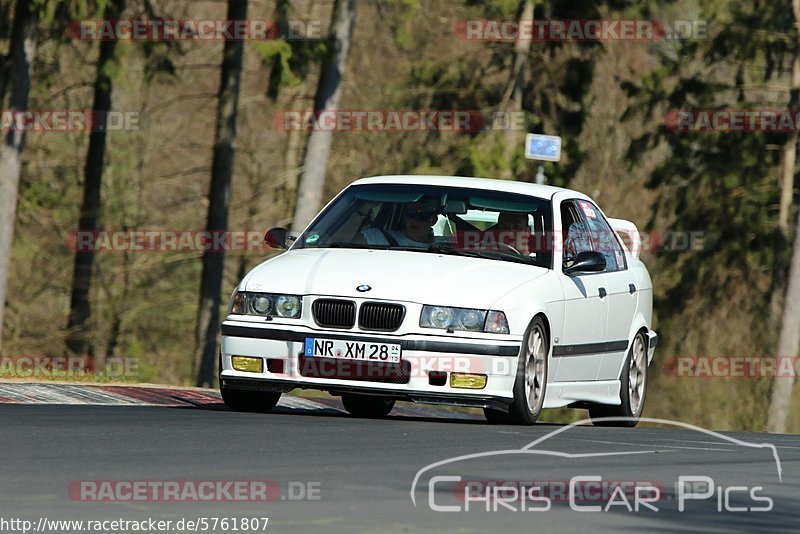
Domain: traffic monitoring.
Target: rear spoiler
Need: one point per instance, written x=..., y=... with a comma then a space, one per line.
x=621, y=226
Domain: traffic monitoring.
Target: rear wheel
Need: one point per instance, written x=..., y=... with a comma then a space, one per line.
x=531, y=382
x=250, y=401
x=633, y=387
x=367, y=406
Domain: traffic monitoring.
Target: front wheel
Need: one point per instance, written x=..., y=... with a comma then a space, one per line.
x=633, y=387
x=531, y=382
x=366, y=406
x=250, y=401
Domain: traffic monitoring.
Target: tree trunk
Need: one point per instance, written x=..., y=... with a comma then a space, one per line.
x=513, y=95
x=788, y=344
x=788, y=172
x=80, y=308
x=291, y=174
x=790, y=326
x=219, y=200
x=329, y=92
x=5, y=21
x=19, y=65
x=788, y=169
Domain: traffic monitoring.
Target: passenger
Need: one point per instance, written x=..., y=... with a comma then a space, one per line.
x=513, y=230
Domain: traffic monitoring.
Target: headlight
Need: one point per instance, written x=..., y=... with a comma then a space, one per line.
x=260, y=305
x=436, y=317
x=463, y=319
x=288, y=306
x=266, y=305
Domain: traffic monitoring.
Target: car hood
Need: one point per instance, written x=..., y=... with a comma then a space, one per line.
x=423, y=278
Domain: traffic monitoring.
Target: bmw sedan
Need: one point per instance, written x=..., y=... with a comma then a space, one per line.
x=506, y=296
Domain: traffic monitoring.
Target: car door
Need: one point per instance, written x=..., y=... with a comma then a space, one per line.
x=620, y=284
x=580, y=349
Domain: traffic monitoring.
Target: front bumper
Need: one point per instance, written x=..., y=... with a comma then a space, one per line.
x=652, y=342
x=421, y=355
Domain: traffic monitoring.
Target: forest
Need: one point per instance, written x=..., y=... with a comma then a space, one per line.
x=189, y=132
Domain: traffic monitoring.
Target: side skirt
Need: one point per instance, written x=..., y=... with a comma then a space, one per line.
x=560, y=394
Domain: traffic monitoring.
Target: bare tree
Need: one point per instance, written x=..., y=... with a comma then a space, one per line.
x=789, y=169
x=329, y=92
x=219, y=197
x=788, y=173
x=15, y=75
x=80, y=306
x=787, y=345
x=790, y=325
x=512, y=98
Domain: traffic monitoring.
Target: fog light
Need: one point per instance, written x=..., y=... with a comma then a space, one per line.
x=247, y=365
x=464, y=381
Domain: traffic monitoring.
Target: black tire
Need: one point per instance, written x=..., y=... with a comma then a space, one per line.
x=367, y=406
x=250, y=401
x=525, y=410
x=628, y=413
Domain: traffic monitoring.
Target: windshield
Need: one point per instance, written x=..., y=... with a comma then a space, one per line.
x=432, y=219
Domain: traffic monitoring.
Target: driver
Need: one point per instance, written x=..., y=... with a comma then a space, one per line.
x=417, y=228
x=512, y=229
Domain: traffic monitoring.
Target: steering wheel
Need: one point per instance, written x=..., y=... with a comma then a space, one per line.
x=484, y=246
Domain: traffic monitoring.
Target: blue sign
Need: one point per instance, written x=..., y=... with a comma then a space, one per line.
x=309, y=352
x=543, y=147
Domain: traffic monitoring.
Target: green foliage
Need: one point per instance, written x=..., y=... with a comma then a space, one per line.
x=720, y=183
x=400, y=16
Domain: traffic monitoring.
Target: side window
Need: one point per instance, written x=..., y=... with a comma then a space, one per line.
x=603, y=237
x=574, y=233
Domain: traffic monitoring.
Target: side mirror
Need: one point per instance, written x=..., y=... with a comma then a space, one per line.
x=276, y=238
x=587, y=262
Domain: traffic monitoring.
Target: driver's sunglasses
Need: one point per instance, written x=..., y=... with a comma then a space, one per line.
x=420, y=215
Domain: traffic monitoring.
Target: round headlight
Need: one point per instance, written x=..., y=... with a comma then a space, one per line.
x=441, y=317
x=287, y=306
x=471, y=320
x=261, y=305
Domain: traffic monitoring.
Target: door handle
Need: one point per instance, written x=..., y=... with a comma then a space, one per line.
x=603, y=293
x=632, y=288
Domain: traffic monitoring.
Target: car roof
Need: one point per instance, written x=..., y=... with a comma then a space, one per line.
x=492, y=184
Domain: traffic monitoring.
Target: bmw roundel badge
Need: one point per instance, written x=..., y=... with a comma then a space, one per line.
x=363, y=288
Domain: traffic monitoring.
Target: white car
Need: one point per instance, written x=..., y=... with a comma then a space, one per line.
x=503, y=295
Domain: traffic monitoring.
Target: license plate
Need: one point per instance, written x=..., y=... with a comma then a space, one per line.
x=352, y=350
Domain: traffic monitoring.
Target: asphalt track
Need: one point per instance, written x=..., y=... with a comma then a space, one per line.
x=363, y=470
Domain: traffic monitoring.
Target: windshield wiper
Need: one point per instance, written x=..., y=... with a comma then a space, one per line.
x=440, y=248
x=345, y=244
x=508, y=256
x=366, y=246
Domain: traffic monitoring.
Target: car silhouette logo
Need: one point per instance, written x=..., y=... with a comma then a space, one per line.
x=363, y=288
